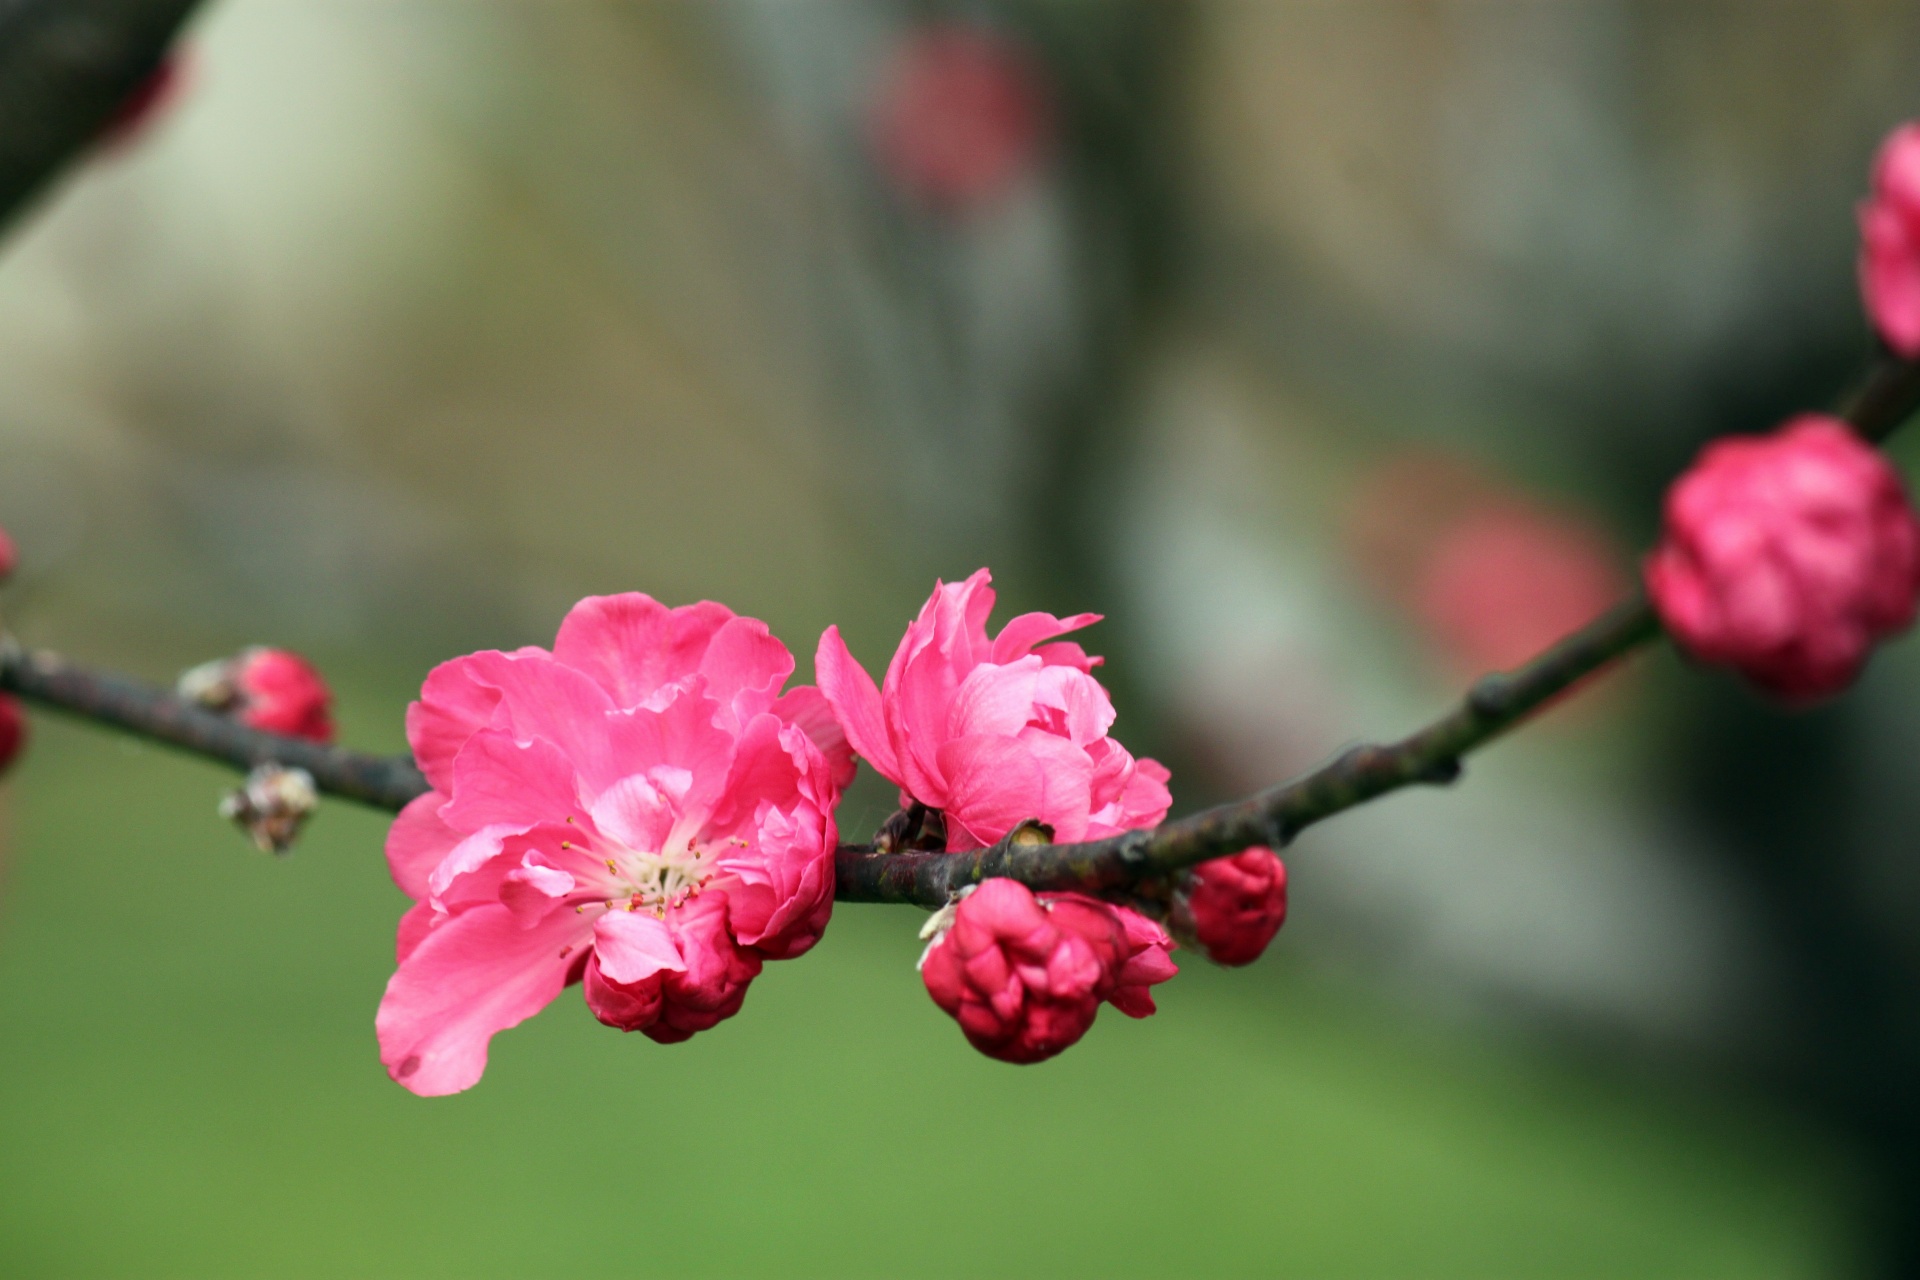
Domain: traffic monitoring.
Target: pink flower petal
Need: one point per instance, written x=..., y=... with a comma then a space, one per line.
x=807, y=709
x=497, y=781
x=474, y=975
x=1018, y=637
x=632, y=645
x=632, y=946
x=417, y=842
x=855, y=699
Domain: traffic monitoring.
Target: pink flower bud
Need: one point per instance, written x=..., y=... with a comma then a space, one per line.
x=1890, y=242
x=13, y=732
x=268, y=689
x=9, y=559
x=1233, y=906
x=1788, y=557
x=1024, y=975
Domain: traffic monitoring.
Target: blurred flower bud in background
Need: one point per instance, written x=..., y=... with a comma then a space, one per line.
x=960, y=115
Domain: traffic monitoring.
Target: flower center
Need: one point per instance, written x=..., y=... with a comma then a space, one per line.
x=640, y=880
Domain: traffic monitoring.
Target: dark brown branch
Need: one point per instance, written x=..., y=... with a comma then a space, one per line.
x=1135, y=864
x=66, y=67
x=1274, y=817
x=386, y=782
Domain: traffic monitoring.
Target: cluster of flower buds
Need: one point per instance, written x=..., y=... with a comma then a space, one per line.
x=1788, y=557
x=272, y=690
x=1024, y=974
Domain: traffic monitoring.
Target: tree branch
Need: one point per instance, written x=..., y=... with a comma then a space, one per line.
x=66, y=67
x=159, y=715
x=1138, y=863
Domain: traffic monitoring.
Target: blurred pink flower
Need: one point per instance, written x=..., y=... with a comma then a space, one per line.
x=1025, y=975
x=993, y=732
x=960, y=115
x=1490, y=576
x=1504, y=583
x=1890, y=242
x=1788, y=557
x=641, y=808
x=1233, y=906
x=13, y=731
x=9, y=558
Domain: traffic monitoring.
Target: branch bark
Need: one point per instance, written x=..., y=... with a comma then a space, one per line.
x=106, y=697
x=1138, y=863
x=66, y=66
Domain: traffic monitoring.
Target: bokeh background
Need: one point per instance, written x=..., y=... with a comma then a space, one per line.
x=1335, y=352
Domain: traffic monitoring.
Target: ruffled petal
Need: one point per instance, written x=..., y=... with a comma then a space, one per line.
x=455, y=703
x=500, y=782
x=807, y=709
x=855, y=700
x=1018, y=637
x=632, y=645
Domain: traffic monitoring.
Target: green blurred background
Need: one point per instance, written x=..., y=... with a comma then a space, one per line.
x=189, y=1086
x=1335, y=352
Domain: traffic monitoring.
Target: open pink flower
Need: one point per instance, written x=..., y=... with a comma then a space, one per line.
x=1890, y=242
x=641, y=808
x=1025, y=975
x=1788, y=557
x=994, y=732
x=1233, y=906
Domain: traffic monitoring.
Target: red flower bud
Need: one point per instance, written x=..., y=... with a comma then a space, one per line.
x=1788, y=557
x=268, y=689
x=1024, y=975
x=1233, y=906
x=9, y=559
x=1890, y=242
x=13, y=731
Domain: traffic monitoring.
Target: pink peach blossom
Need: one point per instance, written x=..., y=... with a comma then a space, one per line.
x=1233, y=906
x=1890, y=242
x=994, y=731
x=1788, y=557
x=1024, y=975
x=640, y=808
